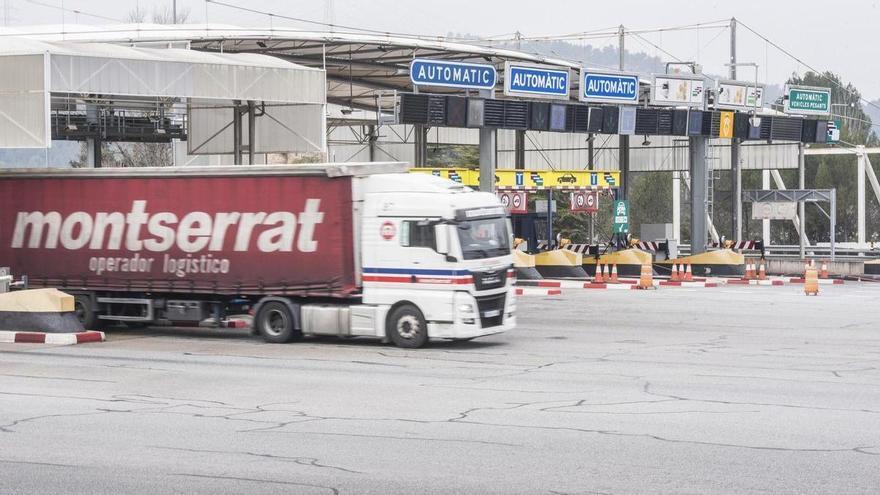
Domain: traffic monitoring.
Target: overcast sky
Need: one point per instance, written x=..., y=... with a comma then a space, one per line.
x=837, y=35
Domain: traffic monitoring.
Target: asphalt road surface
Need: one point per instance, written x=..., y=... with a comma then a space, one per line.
x=727, y=390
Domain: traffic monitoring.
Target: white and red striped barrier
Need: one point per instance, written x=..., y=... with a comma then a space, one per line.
x=537, y=291
x=7, y=337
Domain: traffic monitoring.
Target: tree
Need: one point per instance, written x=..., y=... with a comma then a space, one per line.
x=115, y=154
x=160, y=15
x=165, y=15
x=453, y=156
x=650, y=199
x=839, y=171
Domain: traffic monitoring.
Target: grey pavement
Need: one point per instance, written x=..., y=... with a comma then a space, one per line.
x=727, y=390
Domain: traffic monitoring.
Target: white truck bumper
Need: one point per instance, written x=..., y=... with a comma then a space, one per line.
x=468, y=325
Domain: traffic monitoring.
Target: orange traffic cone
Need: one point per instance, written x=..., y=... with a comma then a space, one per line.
x=750, y=270
x=597, y=278
x=688, y=275
x=674, y=276
x=824, y=272
x=762, y=271
x=613, y=278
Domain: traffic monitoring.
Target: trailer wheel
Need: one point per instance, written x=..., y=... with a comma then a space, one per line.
x=85, y=313
x=275, y=322
x=406, y=327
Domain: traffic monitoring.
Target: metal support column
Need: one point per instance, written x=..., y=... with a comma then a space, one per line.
x=623, y=141
x=736, y=170
x=872, y=177
x=93, y=150
x=765, y=224
x=93, y=153
x=97, y=155
x=802, y=218
x=371, y=141
x=487, y=159
x=420, y=140
x=860, y=195
x=676, y=206
x=833, y=220
x=591, y=153
x=519, y=150
x=487, y=153
x=236, y=132
x=699, y=194
x=550, y=218
x=624, y=167
x=735, y=165
x=252, y=130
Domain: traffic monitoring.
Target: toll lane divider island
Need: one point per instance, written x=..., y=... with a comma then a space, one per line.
x=349, y=249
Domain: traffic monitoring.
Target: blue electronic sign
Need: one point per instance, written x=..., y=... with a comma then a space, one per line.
x=540, y=82
x=609, y=87
x=426, y=72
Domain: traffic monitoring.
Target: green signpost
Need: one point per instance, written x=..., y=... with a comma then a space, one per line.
x=621, y=216
x=803, y=100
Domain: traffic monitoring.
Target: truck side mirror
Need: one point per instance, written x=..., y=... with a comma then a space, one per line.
x=441, y=236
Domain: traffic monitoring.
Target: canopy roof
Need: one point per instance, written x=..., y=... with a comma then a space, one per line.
x=359, y=66
x=46, y=76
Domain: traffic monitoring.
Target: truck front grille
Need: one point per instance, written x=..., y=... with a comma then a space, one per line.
x=490, y=279
x=491, y=309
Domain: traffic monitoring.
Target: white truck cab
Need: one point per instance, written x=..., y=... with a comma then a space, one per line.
x=435, y=253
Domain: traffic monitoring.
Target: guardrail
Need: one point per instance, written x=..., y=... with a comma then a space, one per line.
x=794, y=251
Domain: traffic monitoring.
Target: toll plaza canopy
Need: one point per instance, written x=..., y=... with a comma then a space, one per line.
x=360, y=68
x=48, y=85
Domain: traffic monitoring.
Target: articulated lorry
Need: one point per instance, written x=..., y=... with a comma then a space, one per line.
x=347, y=249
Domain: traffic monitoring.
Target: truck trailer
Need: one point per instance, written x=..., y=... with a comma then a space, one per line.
x=327, y=249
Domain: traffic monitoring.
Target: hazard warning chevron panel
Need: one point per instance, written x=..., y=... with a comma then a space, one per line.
x=510, y=179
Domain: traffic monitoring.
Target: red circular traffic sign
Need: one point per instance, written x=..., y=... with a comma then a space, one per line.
x=388, y=230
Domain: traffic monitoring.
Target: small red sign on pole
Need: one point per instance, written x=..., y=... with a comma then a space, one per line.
x=587, y=201
x=516, y=202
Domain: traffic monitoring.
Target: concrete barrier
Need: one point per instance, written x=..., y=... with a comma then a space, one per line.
x=38, y=310
x=524, y=264
x=796, y=267
x=722, y=262
x=560, y=263
x=629, y=262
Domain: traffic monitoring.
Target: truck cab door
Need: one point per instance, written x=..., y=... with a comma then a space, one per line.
x=410, y=266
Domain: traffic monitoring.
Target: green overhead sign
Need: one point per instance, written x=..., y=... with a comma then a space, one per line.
x=621, y=217
x=802, y=100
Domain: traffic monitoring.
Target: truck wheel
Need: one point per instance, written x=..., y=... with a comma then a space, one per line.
x=82, y=307
x=406, y=327
x=275, y=323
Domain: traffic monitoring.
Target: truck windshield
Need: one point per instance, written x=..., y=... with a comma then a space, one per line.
x=484, y=238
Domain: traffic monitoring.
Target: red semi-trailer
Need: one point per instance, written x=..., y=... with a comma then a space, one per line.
x=322, y=249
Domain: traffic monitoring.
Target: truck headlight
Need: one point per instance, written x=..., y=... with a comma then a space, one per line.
x=466, y=308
